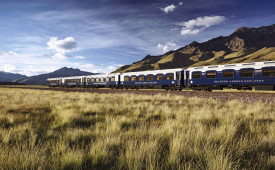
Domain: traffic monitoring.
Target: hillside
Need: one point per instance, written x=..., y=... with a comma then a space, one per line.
x=8, y=77
x=244, y=45
x=63, y=72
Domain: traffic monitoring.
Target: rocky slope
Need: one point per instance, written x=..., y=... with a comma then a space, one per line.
x=244, y=45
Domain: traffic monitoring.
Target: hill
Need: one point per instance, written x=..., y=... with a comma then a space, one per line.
x=244, y=45
x=63, y=72
x=8, y=77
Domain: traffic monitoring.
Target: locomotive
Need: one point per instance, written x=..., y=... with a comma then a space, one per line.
x=260, y=75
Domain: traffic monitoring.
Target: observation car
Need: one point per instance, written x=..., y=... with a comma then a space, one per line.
x=239, y=76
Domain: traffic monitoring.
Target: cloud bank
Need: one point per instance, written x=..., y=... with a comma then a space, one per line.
x=166, y=47
x=195, y=26
x=61, y=47
x=9, y=53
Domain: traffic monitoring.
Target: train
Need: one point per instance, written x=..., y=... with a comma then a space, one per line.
x=247, y=76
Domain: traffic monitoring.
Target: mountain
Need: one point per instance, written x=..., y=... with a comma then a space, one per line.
x=243, y=45
x=63, y=72
x=8, y=77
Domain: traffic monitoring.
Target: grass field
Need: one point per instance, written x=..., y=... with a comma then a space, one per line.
x=47, y=87
x=59, y=130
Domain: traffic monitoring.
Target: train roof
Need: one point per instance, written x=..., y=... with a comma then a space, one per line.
x=103, y=75
x=164, y=71
x=73, y=77
x=255, y=65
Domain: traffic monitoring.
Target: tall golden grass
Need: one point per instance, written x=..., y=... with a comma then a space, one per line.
x=69, y=130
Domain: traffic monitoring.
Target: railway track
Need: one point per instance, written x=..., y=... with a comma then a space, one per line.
x=246, y=97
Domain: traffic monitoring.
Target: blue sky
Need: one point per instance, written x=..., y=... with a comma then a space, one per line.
x=41, y=36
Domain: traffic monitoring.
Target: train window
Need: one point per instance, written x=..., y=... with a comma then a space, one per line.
x=78, y=80
x=126, y=78
x=150, y=78
x=107, y=79
x=228, y=74
x=101, y=79
x=159, y=77
x=211, y=75
x=88, y=80
x=92, y=80
x=113, y=79
x=196, y=75
x=75, y=81
x=170, y=76
x=97, y=79
x=247, y=73
x=268, y=73
x=141, y=78
x=133, y=78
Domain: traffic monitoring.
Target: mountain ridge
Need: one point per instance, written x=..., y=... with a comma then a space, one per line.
x=246, y=44
x=9, y=77
x=62, y=72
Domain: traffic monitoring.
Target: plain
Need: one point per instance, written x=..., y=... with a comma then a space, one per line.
x=75, y=130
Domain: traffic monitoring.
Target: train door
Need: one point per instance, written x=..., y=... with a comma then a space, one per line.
x=178, y=78
x=187, y=78
x=183, y=77
x=84, y=81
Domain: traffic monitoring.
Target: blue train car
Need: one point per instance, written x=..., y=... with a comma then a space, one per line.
x=159, y=79
x=76, y=81
x=54, y=82
x=260, y=75
x=103, y=80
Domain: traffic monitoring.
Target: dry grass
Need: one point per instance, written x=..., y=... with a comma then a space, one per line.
x=58, y=130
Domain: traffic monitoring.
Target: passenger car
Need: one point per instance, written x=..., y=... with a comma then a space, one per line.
x=260, y=75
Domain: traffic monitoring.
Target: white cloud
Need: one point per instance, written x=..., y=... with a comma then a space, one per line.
x=9, y=68
x=90, y=65
x=168, y=9
x=195, y=26
x=166, y=47
x=9, y=53
x=185, y=31
x=80, y=57
x=111, y=67
x=62, y=46
x=60, y=56
x=97, y=71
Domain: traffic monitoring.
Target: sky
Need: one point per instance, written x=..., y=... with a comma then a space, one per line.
x=41, y=36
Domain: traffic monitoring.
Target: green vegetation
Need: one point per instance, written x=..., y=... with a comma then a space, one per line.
x=59, y=130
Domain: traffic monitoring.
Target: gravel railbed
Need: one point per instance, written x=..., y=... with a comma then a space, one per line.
x=246, y=97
